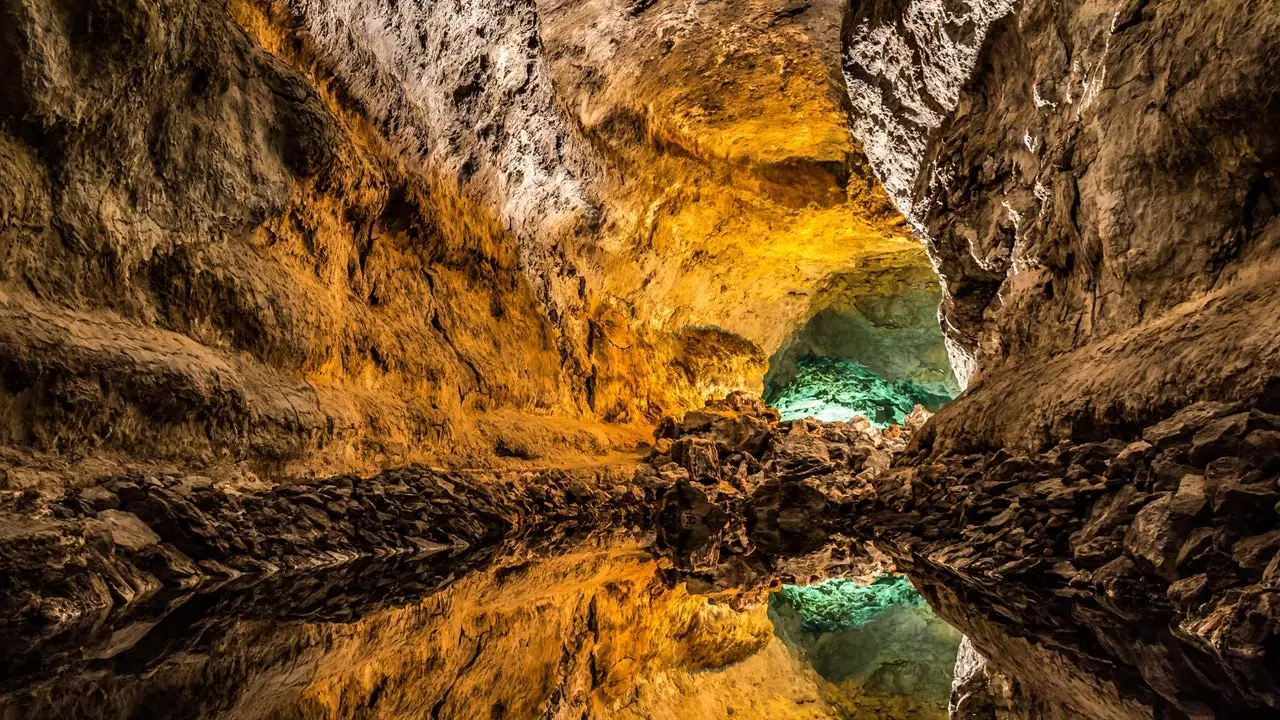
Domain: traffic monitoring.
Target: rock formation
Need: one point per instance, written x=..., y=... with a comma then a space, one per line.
x=356, y=311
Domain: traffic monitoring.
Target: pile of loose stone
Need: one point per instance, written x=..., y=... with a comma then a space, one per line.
x=1149, y=568
x=736, y=498
x=1107, y=578
x=753, y=501
x=112, y=543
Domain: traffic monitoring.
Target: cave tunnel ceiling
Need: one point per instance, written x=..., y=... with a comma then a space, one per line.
x=455, y=359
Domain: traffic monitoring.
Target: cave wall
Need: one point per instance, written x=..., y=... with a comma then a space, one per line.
x=1103, y=163
x=1097, y=197
x=213, y=252
x=883, y=315
x=277, y=237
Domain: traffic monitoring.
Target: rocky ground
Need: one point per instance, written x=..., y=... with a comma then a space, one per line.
x=1113, y=579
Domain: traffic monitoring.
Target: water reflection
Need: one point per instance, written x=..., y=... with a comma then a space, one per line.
x=590, y=630
x=880, y=650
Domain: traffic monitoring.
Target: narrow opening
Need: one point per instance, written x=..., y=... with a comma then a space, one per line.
x=878, y=648
x=871, y=347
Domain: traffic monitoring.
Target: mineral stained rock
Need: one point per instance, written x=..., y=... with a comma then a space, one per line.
x=835, y=389
x=347, y=236
x=258, y=258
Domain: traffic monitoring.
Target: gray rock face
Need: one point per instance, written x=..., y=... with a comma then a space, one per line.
x=1108, y=161
x=463, y=88
x=905, y=65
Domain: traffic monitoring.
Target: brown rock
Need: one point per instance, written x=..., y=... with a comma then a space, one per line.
x=1257, y=552
x=1155, y=538
x=1191, y=497
x=1219, y=437
x=1189, y=593
x=127, y=531
x=1187, y=422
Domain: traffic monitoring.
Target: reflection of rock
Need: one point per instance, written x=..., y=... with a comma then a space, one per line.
x=884, y=651
x=589, y=632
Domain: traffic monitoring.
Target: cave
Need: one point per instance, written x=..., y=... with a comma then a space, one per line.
x=640, y=359
x=870, y=347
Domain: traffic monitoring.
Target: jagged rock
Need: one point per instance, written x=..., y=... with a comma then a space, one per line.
x=127, y=531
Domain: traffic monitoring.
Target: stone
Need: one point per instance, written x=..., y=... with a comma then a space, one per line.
x=1155, y=537
x=702, y=460
x=1183, y=424
x=1257, y=552
x=1261, y=450
x=1217, y=438
x=1101, y=538
x=1191, y=497
x=127, y=531
x=1197, y=552
x=99, y=498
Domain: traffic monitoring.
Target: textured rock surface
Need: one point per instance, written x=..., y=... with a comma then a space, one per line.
x=831, y=389
x=1126, y=578
x=311, y=237
x=1098, y=198
x=905, y=65
x=247, y=241
x=883, y=316
x=1108, y=162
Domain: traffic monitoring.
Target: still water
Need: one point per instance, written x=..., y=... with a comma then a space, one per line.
x=589, y=631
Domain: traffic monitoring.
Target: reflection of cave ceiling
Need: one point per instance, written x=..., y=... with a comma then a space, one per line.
x=250, y=243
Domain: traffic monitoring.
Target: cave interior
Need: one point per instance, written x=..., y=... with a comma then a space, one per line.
x=640, y=359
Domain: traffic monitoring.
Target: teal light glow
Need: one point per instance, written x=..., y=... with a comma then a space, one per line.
x=837, y=605
x=835, y=389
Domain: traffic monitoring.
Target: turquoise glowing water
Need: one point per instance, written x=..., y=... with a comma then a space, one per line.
x=834, y=389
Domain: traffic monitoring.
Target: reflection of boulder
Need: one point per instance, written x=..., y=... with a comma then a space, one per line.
x=881, y=649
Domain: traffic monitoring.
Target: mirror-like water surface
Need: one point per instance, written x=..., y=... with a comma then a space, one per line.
x=587, y=631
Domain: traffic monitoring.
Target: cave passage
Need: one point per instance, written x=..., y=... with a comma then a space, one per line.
x=880, y=650
x=871, y=348
x=838, y=389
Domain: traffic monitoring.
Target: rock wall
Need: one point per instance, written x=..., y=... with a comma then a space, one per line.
x=883, y=316
x=1097, y=196
x=274, y=237
x=214, y=253
x=1108, y=163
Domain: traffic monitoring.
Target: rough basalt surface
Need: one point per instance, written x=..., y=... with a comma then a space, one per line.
x=1129, y=578
x=255, y=254
x=1106, y=163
